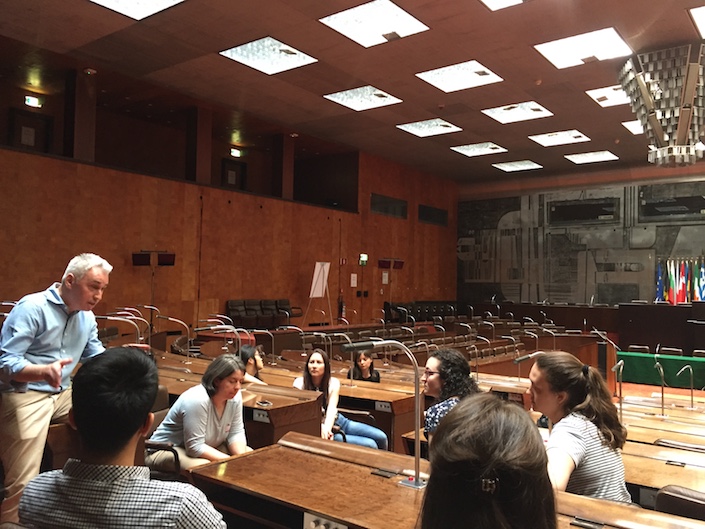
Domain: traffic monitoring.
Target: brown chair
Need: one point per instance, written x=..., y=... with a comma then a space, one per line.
x=699, y=353
x=675, y=351
x=635, y=348
x=681, y=501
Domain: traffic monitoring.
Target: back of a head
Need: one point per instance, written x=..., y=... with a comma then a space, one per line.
x=247, y=351
x=488, y=470
x=113, y=394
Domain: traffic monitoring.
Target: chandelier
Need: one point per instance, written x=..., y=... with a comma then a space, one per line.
x=667, y=95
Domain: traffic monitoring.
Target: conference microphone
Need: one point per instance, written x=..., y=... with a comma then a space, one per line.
x=521, y=359
x=357, y=346
x=618, y=365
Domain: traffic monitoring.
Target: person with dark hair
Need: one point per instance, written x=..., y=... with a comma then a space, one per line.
x=43, y=339
x=112, y=398
x=488, y=470
x=251, y=356
x=363, y=368
x=205, y=423
x=317, y=377
x=446, y=378
x=583, y=448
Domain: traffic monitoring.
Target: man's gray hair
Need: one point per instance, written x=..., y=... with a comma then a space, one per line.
x=82, y=263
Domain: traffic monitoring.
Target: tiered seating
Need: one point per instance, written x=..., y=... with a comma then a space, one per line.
x=261, y=313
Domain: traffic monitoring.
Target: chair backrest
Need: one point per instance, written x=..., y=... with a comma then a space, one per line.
x=269, y=306
x=235, y=307
x=635, y=348
x=253, y=307
x=682, y=501
x=677, y=351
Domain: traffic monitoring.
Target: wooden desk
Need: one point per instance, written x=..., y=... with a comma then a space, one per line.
x=279, y=485
x=266, y=487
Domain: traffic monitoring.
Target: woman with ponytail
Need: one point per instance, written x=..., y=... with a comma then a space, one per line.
x=583, y=448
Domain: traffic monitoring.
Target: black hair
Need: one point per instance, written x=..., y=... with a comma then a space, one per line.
x=454, y=371
x=113, y=394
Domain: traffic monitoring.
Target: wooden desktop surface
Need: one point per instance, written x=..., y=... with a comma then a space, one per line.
x=276, y=485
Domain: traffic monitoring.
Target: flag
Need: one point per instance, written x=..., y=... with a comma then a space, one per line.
x=671, y=282
x=696, y=281
x=680, y=295
x=659, y=282
x=702, y=281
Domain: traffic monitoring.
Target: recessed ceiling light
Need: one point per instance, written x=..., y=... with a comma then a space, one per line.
x=268, y=55
x=374, y=23
x=495, y=5
x=563, y=137
x=591, y=157
x=363, y=98
x=698, y=14
x=460, y=76
x=521, y=165
x=430, y=127
x=517, y=112
x=580, y=49
x=634, y=126
x=137, y=9
x=479, y=149
x=609, y=96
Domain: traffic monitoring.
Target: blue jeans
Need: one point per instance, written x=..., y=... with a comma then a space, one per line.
x=362, y=434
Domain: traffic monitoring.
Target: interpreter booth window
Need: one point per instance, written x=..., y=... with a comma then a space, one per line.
x=384, y=205
x=431, y=215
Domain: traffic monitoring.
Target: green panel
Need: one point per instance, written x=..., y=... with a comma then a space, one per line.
x=639, y=368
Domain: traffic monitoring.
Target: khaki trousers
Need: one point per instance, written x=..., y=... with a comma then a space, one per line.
x=24, y=424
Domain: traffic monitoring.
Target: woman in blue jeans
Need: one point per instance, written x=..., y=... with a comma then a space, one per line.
x=317, y=377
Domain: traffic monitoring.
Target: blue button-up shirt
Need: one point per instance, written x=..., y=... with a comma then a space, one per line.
x=40, y=330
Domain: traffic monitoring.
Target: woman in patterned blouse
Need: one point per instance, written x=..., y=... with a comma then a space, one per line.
x=447, y=379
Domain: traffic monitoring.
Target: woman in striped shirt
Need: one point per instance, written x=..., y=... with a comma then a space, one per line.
x=583, y=448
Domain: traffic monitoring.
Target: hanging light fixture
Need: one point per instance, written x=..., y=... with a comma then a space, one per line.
x=667, y=94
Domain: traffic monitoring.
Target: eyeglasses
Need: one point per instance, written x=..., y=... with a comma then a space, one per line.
x=427, y=373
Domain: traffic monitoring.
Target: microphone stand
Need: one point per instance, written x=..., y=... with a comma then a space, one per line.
x=138, y=334
x=417, y=482
x=273, y=362
x=534, y=336
x=352, y=354
x=516, y=351
x=619, y=367
x=659, y=367
x=690, y=368
x=188, y=335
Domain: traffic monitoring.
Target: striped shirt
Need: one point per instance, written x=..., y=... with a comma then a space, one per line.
x=83, y=496
x=599, y=471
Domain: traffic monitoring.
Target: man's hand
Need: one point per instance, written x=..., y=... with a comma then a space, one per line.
x=52, y=372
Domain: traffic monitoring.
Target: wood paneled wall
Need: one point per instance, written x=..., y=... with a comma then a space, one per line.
x=228, y=245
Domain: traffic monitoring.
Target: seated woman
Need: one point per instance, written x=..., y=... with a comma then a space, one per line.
x=205, y=423
x=583, y=448
x=251, y=356
x=364, y=368
x=317, y=377
x=488, y=470
x=447, y=379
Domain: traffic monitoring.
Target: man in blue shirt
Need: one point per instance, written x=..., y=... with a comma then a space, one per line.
x=43, y=338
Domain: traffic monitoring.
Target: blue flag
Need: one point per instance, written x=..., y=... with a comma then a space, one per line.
x=659, y=282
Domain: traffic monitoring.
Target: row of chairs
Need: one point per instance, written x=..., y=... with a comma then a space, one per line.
x=677, y=351
x=261, y=313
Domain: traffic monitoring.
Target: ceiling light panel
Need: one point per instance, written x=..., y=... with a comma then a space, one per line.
x=137, y=9
x=597, y=45
x=521, y=165
x=609, y=96
x=563, y=137
x=460, y=76
x=479, y=149
x=374, y=23
x=517, y=112
x=633, y=126
x=363, y=98
x=496, y=5
x=430, y=127
x=268, y=55
x=698, y=14
x=591, y=157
